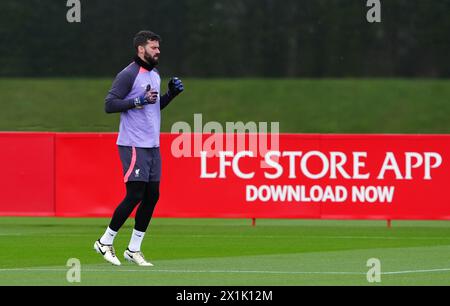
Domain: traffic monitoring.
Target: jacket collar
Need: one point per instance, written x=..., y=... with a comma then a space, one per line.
x=143, y=64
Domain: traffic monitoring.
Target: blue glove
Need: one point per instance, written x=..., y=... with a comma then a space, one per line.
x=175, y=87
x=139, y=102
x=149, y=98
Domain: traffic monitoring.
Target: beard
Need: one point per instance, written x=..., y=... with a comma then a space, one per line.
x=150, y=59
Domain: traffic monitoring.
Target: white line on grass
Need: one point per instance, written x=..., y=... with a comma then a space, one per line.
x=415, y=271
x=145, y=270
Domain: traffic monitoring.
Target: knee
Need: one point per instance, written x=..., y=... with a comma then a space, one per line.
x=151, y=199
x=156, y=196
x=135, y=196
x=153, y=192
x=154, y=189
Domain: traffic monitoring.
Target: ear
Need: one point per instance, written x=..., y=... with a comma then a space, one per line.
x=141, y=49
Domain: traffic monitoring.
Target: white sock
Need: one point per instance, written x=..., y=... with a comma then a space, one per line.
x=136, y=241
x=108, y=237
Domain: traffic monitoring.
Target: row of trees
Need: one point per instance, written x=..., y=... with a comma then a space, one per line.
x=229, y=38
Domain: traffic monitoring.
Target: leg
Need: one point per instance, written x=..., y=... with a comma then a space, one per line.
x=143, y=216
x=135, y=194
x=145, y=210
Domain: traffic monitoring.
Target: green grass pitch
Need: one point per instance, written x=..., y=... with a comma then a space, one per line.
x=229, y=252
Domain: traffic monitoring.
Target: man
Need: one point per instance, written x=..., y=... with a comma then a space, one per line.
x=135, y=93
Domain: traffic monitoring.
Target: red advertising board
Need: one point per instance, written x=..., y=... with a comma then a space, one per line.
x=88, y=175
x=27, y=180
x=238, y=176
x=317, y=176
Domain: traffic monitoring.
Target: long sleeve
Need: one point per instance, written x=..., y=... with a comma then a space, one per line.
x=114, y=101
x=165, y=100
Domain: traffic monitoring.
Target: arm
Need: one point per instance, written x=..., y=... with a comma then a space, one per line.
x=165, y=100
x=175, y=88
x=114, y=101
x=117, y=105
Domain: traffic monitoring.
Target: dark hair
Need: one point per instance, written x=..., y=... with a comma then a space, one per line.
x=141, y=38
